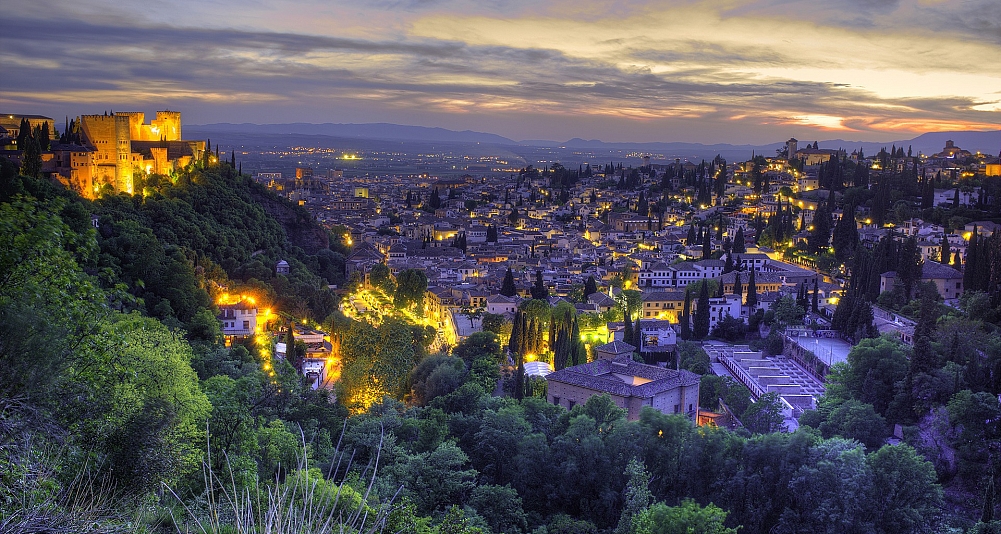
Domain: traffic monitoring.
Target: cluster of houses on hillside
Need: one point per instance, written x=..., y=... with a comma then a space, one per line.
x=477, y=230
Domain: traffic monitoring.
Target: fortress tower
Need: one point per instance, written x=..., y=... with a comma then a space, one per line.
x=119, y=149
x=792, y=146
x=110, y=135
x=167, y=126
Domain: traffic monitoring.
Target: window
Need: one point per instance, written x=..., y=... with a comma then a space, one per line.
x=677, y=408
x=556, y=400
x=958, y=285
x=246, y=325
x=571, y=404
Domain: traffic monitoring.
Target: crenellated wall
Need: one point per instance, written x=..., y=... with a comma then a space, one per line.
x=121, y=144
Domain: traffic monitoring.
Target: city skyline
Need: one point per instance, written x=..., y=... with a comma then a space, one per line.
x=747, y=72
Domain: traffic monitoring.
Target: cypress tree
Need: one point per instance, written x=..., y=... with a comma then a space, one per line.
x=579, y=353
x=701, y=328
x=44, y=137
x=508, y=288
x=909, y=265
x=737, y=288
x=820, y=238
x=31, y=155
x=815, y=301
x=686, y=328
x=923, y=359
x=972, y=259
x=539, y=290
x=946, y=255
x=590, y=286
x=707, y=247
x=738, y=241
x=514, y=343
x=638, y=335
x=627, y=329
x=928, y=193
x=519, y=379
x=752, y=290
x=846, y=237
x=23, y=133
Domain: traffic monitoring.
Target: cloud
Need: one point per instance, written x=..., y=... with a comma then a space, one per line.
x=645, y=64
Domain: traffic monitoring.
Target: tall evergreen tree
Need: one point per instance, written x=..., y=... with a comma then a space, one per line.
x=846, y=237
x=627, y=328
x=515, y=342
x=519, y=378
x=637, y=496
x=946, y=255
x=923, y=357
x=927, y=193
x=701, y=324
x=972, y=260
x=23, y=133
x=44, y=137
x=707, y=247
x=31, y=155
x=815, y=302
x=738, y=241
x=578, y=353
x=539, y=289
x=737, y=288
x=508, y=288
x=820, y=237
x=909, y=265
x=638, y=335
x=752, y=290
x=435, y=201
x=590, y=286
x=685, y=319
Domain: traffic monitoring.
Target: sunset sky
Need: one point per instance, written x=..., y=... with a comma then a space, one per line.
x=734, y=71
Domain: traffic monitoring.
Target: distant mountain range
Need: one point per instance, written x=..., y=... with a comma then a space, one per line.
x=928, y=143
x=379, y=130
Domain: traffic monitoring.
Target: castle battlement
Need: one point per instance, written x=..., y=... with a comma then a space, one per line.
x=119, y=147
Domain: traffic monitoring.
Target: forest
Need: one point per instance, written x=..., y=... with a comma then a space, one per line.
x=121, y=409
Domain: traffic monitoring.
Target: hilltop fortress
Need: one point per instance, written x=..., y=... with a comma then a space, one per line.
x=114, y=149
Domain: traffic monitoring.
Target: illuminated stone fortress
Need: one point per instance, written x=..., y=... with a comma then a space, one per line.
x=115, y=147
x=96, y=153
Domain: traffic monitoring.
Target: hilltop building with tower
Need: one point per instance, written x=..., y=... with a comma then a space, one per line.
x=111, y=150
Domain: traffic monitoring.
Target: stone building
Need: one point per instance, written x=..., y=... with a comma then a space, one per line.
x=631, y=386
x=114, y=149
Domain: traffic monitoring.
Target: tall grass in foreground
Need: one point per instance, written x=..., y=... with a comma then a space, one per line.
x=32, y=498
x=305, y=502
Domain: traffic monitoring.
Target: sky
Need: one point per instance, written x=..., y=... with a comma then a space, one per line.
x=700, y=71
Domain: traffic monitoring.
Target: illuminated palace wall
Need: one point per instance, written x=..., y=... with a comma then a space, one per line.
x=119, y=146
x=165, y=127
x=109, y=136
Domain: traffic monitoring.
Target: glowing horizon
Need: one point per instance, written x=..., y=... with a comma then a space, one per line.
x=736, y=71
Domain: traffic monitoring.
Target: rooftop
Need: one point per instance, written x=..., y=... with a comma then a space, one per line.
x=624, y=377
